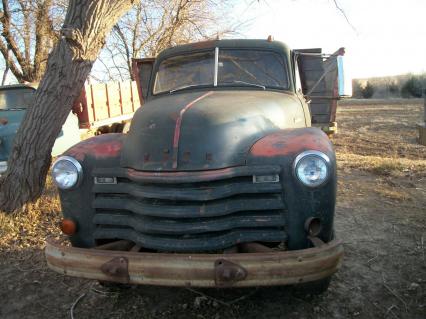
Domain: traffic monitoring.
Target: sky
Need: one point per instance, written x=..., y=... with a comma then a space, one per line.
x=384, y=37
x=388, y=37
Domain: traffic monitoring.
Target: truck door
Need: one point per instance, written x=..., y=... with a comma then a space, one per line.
x=319, y=76
x=142, y=70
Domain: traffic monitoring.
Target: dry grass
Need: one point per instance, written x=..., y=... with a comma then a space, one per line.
x=30, y=226
x=394, y=194
x=382, y=165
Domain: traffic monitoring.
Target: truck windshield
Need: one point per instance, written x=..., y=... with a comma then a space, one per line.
x=234, y=67
x=185, y=70
x=16, y=98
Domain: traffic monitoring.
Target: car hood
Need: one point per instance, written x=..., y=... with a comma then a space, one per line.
x=205, y=130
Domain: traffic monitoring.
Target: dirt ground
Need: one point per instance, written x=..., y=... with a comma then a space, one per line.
x=380, y=216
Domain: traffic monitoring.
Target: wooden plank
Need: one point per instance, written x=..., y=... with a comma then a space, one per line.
x=114, y=102
x=126, y=97
x=135, y=96
x=100, y=101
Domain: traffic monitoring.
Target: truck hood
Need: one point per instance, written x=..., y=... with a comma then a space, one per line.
x=205, y=130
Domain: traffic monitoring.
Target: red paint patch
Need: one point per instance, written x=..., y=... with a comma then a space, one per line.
x=102, y=146
x=292, y=141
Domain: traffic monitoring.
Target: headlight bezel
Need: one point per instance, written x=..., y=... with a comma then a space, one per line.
x=78, y=167
x=312, y=153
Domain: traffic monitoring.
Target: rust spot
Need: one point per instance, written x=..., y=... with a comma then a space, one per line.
x=209, y=157
x=146, y=157
x=117, y=268
x=292, y=141
x=186, y=156
x=227, y=273
x=166, y=155
x=101, y=146
x=204, y=175
x=203, y=44
x=3, y=121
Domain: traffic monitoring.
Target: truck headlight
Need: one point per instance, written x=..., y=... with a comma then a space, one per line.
x=312, y=168
x=67, y=172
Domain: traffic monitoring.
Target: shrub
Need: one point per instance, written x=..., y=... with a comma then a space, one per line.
x=412, y=88
x=368, y=90
x=393, y=87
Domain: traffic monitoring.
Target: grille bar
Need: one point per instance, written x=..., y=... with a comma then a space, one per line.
x=220, y=207
x=208, y=242
x=186, y=177
x=187, y=193
x=151, y=225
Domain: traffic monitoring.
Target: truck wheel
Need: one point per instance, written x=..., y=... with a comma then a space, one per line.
x=314, y=287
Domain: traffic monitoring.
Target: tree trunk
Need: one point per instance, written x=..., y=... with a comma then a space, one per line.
x=86, y=26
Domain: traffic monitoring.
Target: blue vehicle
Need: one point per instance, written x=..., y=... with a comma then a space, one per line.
x=14, y=101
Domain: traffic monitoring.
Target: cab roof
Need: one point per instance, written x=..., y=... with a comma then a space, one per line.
x=277, y=46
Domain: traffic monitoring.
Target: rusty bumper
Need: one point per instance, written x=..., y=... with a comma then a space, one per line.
x=198, y=270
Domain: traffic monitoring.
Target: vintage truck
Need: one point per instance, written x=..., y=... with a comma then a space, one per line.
x=221, y=181
x=101, y=108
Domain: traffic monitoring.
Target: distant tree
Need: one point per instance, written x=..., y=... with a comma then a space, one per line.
x=28, y=31
x=368, y=90
x=392, y=87
x=413, y=87
x=154, y=25
x=356, y=88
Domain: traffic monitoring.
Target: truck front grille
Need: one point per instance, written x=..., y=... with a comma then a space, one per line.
x=189, y=211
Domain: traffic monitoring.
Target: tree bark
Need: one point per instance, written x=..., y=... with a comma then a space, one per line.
x=86, y=26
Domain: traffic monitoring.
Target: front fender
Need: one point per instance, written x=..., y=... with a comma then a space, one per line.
x=99, y=151
x=301, y=202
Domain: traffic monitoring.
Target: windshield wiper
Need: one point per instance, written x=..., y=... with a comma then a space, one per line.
x=246, y=83
x=184, y=87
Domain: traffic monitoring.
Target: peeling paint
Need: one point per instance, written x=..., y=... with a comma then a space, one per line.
x=102, y=146
x=292, y=141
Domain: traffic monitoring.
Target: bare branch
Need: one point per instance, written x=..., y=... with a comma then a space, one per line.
x=10, y=40
x=10, y=63
x=344, y=15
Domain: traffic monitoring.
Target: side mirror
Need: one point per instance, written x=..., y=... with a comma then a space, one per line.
x=344, y=82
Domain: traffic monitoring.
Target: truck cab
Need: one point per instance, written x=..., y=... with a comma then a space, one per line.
x=222, y=180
